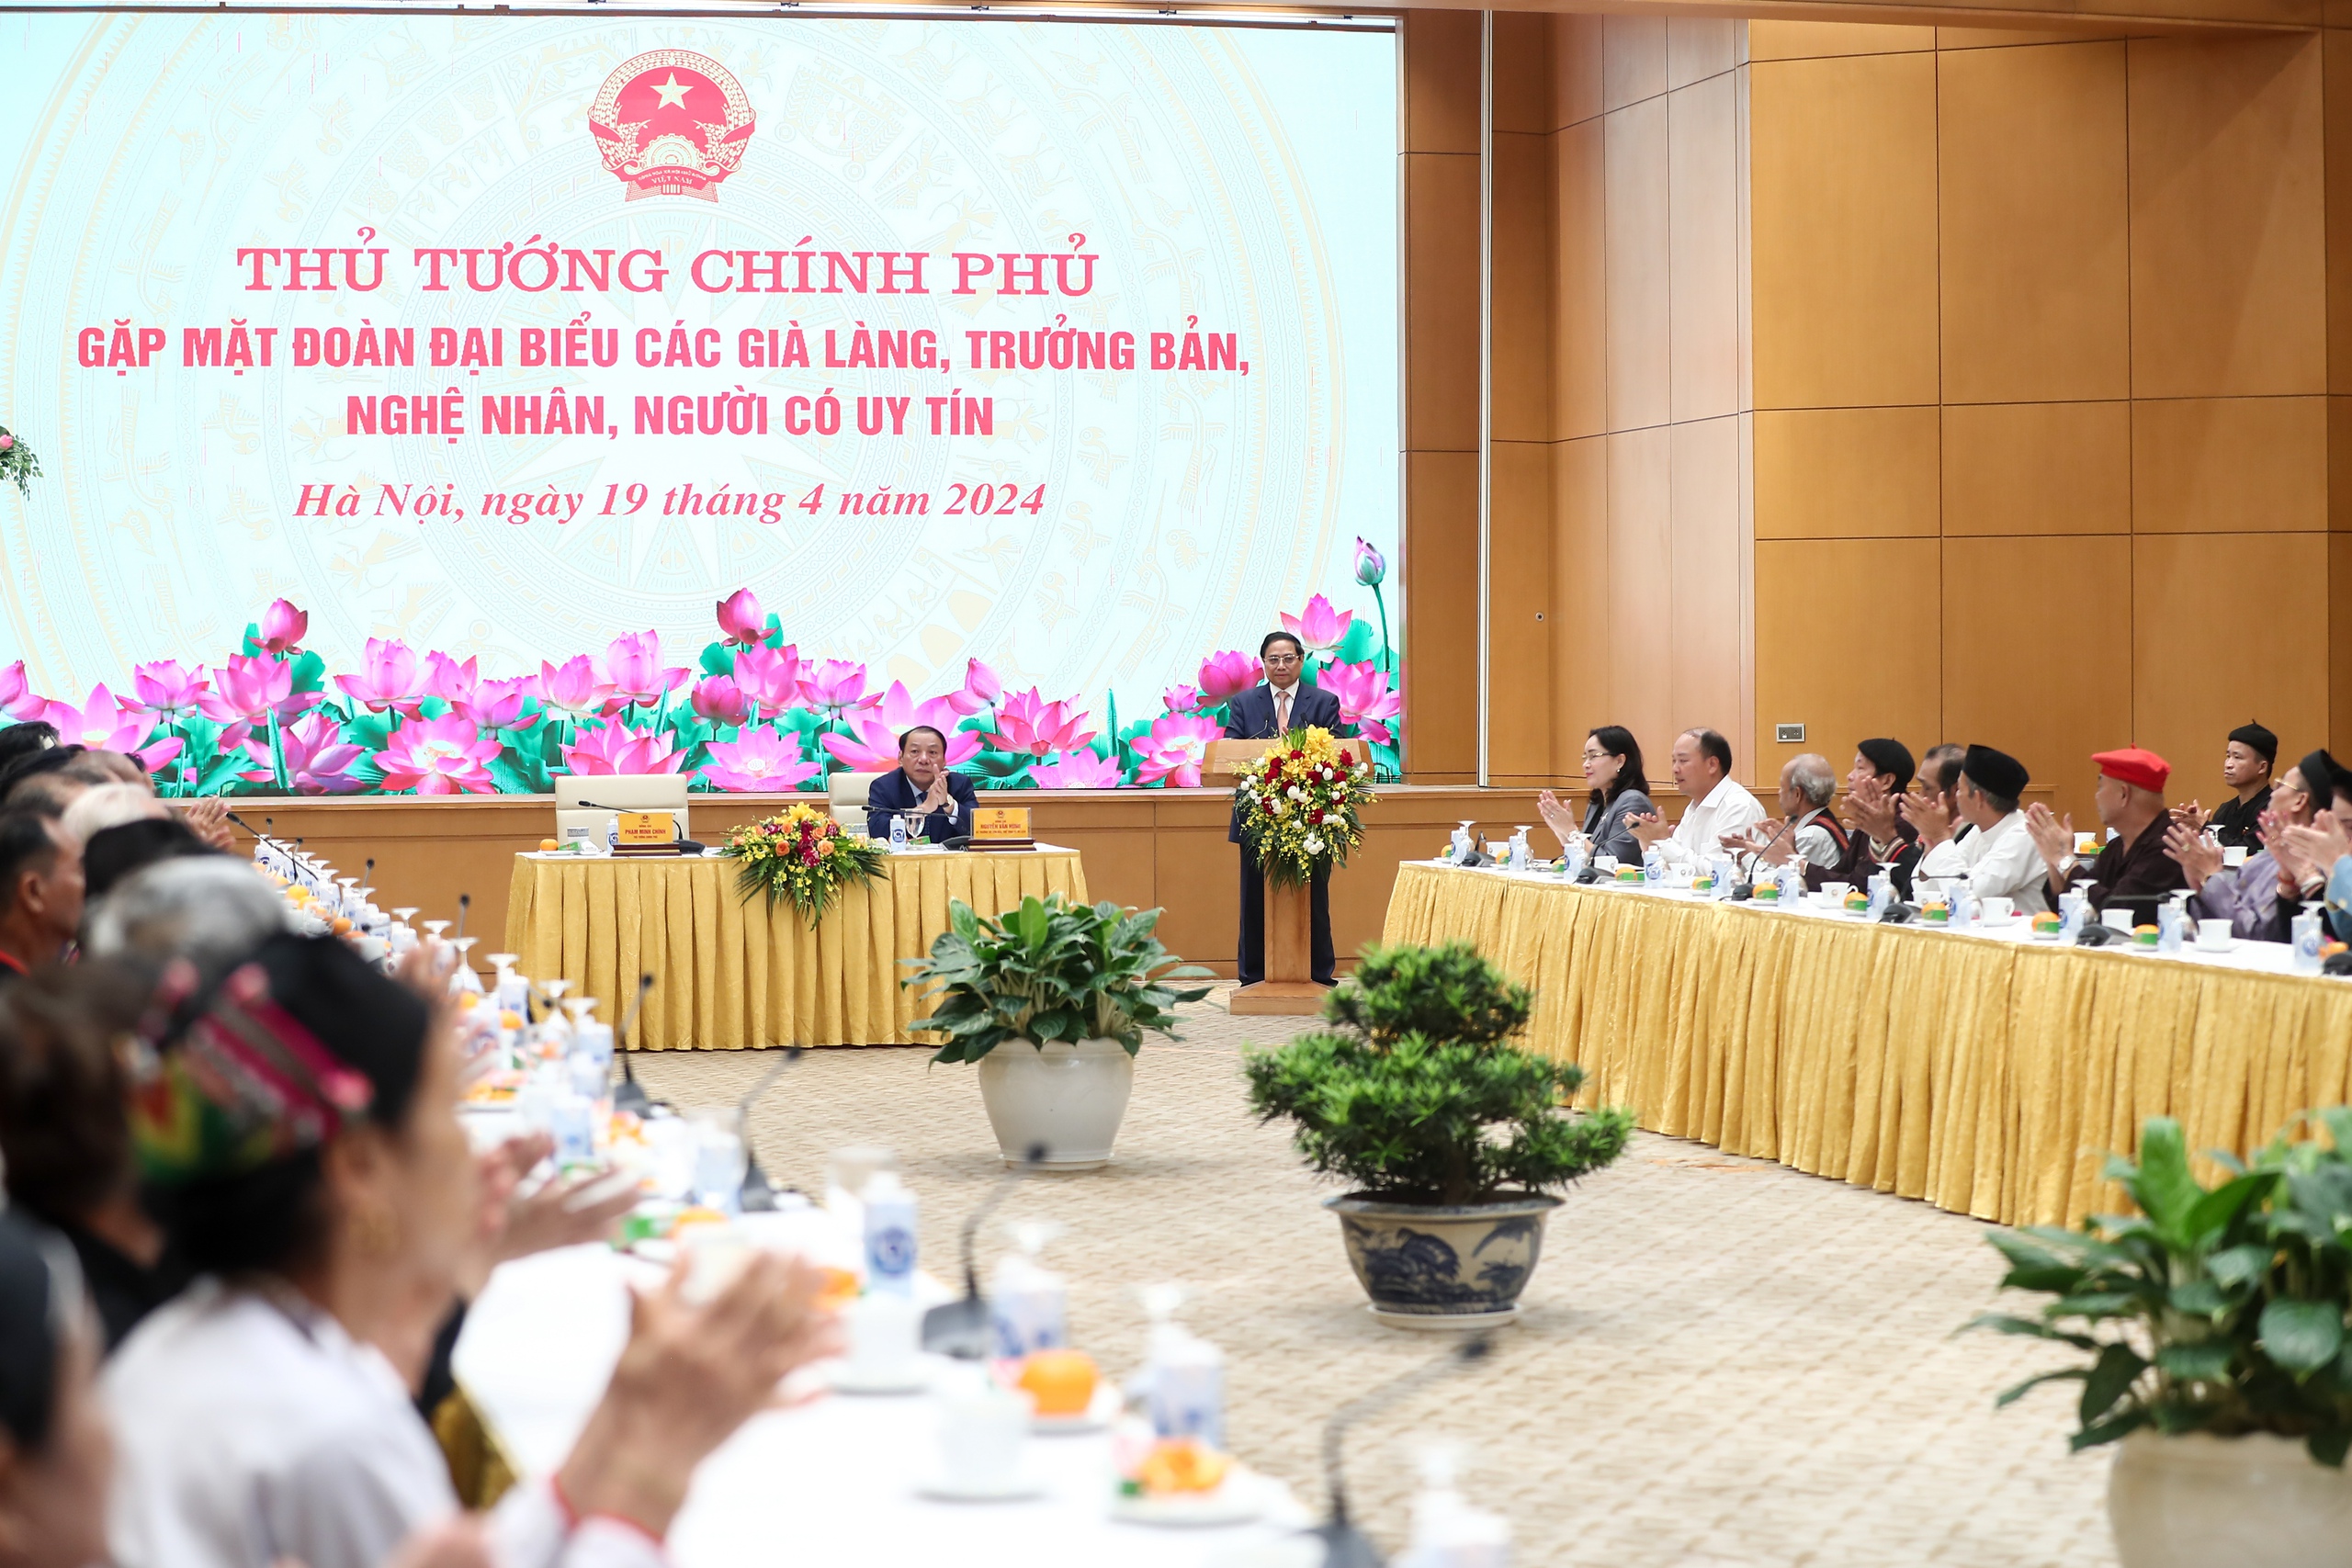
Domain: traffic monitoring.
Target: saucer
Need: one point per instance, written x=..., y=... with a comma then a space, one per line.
x=2211, y=947
x=913, y=1378
x=946, y=1489
x=1098, y=1413
x=1241, y=1500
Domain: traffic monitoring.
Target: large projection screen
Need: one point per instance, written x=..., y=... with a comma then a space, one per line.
x=488, y=343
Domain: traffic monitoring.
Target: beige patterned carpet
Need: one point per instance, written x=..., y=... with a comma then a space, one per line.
x=1720, y=1362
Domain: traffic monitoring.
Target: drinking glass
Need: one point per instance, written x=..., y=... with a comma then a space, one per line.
x=720, y=1160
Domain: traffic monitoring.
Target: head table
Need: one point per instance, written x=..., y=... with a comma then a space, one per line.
x=1983, y=1071
x=730, y=973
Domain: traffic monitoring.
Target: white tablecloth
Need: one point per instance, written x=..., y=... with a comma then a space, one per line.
x=829, y=1484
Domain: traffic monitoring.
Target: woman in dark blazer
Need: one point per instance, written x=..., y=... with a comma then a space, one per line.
x=1619, y=793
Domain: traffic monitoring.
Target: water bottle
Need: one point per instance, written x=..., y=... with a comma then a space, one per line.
x=1187, y=1387
x=1520, y=853
x=1030, y=1305
x=897, y=834
x=1652, y=866
x=1964, y=909
x=2171, y=916
x=890, y=1243
x=2073, y=908
x=573, y=1118
x=2306, y=929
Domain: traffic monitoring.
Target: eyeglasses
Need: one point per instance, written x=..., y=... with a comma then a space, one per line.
x=1276, y=659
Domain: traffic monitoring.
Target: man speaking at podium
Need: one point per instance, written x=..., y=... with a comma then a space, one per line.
x=1268, y=711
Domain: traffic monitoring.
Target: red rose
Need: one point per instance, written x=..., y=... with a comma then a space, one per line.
x=1297, y=755
x=1315, y=817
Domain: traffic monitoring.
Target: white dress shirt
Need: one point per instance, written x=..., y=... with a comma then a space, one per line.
x=250, y=1429
x=1695, y=840
x=1816, y=846
x=1999, y=862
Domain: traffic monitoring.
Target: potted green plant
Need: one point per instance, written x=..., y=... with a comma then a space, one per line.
x=1450, y=1135
x=2212, y=1326
x=1078, y=984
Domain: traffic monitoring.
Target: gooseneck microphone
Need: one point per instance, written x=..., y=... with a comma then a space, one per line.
x=1344, y=1546
x=961, y=1328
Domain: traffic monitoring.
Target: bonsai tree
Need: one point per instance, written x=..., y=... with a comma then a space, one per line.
x=2215, y=1310
x=1049, y=971
x=1418, y=1094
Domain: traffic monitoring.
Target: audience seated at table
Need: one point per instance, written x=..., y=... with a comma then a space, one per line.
x=2131, y=872
x=331, y=1208
x=1875, y=785
x=1720, y=812
x=2322, y=847
x=2259, y=897
x=1618, y=793
x=2248, y=759
x=1808, y=834
x=1997, y=858
x=40, y=891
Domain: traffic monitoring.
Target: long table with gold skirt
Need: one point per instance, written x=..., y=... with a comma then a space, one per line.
x=1988, y=1077
x=731, y=973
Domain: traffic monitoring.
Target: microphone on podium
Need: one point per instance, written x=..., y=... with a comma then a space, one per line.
x=758, y=1193
x=1344, y=1546
x=630, y=1094
x=685, y=846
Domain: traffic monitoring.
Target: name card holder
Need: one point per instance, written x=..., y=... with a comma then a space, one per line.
x=1001, y=828
x=645, y=833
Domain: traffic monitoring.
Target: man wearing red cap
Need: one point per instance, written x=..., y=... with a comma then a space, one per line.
x=2133, y=872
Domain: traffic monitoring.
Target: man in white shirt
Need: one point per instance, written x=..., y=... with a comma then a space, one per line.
x=1811, y=837
x=1999, y=859
x=1721, y=810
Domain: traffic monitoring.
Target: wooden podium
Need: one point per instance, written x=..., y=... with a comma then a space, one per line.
x=1289, y=986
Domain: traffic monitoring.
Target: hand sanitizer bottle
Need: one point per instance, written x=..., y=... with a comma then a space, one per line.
x=1186, y=1374
x=1030, y=1304
x=898, y=833
x=890, y=1243
x=1519, y=849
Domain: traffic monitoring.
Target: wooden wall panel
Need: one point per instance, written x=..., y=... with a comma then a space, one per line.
x=2034, y=224
x=1440, y=574
x=1521, y=701
x=2186, y=695
x=1580, y=607
x=1638, y=233
x=2228, y=237
x=2212, y=465
x=1441, y=302
x=1641, y=584
x=1843, y=177
x=1845, y=473
x=1816, y=41
x=2037, y=469
x=1523, y=341
x=1580, y=290
x=1844, y=690
x=2037, y=653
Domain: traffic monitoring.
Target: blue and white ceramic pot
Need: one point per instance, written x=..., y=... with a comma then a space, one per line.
x=1432, y=1266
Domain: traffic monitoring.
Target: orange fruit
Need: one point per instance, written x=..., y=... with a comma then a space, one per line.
x=1183, y=1464
x=839, y=1290
x=1061, y=1382
x=548, y=846
x=341, y=925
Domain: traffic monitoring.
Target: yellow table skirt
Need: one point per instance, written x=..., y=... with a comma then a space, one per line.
x=730, y=974
x=1990, y=1078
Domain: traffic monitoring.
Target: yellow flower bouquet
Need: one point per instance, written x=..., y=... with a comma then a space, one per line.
x=1299, y=807
x=802, y=854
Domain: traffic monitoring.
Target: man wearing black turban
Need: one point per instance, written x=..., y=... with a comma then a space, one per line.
x=2248, y=761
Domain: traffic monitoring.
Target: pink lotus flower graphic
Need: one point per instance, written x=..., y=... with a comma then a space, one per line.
x=17, y=699
x=1226, y=675
x=1365, y=700
x=759, y=761
x=769, y=678
x=104, y=723
x=317, y=757
x=834, y=687
x=573, y=690
x=1183, y=699
x=874, y=746
x=167, y=691
x=1322, y=627
x=1171, y=753
x=616, y=749
x=250, y=688
x=1029, y=723
x=719, y=700
x=1372, y=567
x=982, y=687
x=388, y=682
x=283, y=629
x=451, y=682
x=634, y=662
x=497, y=705
x=437, y=756
x=1079, y=769
x=740, y=619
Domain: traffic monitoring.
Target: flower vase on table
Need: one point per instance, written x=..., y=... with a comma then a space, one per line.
x=801, y=855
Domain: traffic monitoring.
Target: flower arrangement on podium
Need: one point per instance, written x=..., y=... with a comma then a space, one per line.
x=1300, y=807
x=801, y=854
x=18, y=466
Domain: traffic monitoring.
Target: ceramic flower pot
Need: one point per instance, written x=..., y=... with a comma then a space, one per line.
x=1430, y=1266
x=1070, y=1097
x=2258, y=1501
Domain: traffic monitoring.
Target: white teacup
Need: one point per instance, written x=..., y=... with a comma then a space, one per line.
x=1837, y=891
x=1604, y=864
x=1995, y=909
x=981, y=1434
x=885, y=1335
x=2116, y=921
x=2214, y=936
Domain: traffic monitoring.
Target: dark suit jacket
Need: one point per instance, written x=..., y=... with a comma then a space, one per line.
x=893, y=793
x=1251, y=716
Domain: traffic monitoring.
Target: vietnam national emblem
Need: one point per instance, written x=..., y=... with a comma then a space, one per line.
x=670, y=122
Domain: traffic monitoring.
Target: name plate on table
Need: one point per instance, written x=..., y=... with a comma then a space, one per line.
x=1001, y=828
x=645, y=833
